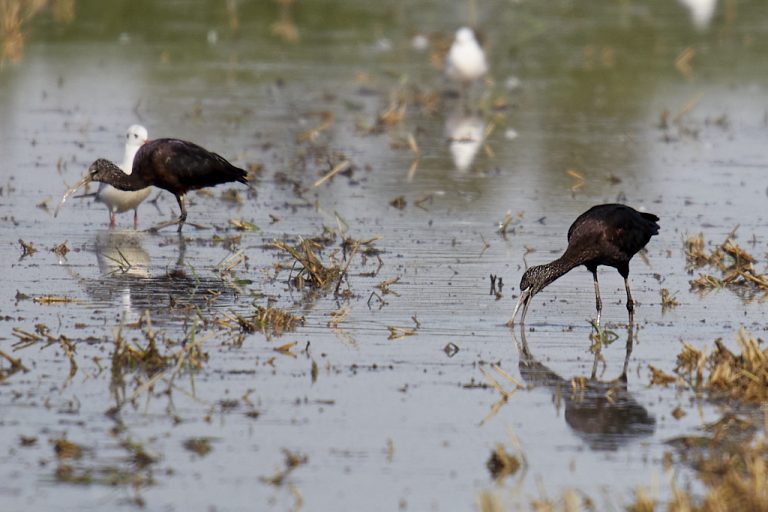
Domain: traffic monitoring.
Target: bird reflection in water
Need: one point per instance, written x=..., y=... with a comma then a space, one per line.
x=465, y=133
x=126, y=278
x=701, y=11
x=602, y=413
x=124, y=264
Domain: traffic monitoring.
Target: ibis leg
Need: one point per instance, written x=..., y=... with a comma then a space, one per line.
x=180, y=221
x=630, y=302
x=183, y=216
x=135, y=218
x=630, y=345
x=598, y=302
x=112, y=219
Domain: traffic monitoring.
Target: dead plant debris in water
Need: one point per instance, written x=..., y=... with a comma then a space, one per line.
x=27, y=249
x=61, y=250
x=312, y=270
x=668, y=300
x=316, y=273
x=734, y=264
x=723, y=374
x=66, y=449
x=153, y=365
x=268, y=320
x=52, y=299
x=133, y=469
x=501, y=463
x=198, y=445
x=396, y=333
x=728, y=461
x=292, y=461
x=131, y=355
x=505, y=395
x=16, y=366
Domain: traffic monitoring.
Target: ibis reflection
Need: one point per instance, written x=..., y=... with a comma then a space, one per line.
x=604, y=414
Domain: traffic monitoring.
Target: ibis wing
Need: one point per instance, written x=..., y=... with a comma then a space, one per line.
x=623, y=227
x=631, y=230
x=178, y=165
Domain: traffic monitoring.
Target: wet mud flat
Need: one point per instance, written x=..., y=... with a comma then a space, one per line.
x=332, y=339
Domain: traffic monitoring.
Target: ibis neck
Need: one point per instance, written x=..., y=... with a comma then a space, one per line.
x=123, y=181
x=555, y=269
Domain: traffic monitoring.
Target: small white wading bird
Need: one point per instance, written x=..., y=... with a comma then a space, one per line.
x=466, y=59
x=119, y=201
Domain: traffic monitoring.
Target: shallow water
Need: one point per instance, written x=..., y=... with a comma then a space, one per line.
x=384, y=424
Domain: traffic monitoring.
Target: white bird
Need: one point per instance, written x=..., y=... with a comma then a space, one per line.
x=466, y=59
x=119, y=201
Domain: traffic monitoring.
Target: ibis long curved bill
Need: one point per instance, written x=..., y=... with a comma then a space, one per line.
x=86, y=179
x=524, y=300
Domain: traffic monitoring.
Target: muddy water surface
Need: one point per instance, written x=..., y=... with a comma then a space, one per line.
x=574, y=116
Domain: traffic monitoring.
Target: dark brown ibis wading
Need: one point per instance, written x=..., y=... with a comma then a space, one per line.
x=607, y=234
x=174, y=165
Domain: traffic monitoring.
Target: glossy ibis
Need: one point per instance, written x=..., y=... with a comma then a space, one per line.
x=119, y=201
x=607, y=234
x=174, y=165
x=465, y=62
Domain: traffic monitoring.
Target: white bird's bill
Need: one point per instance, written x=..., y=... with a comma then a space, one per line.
x=85, y=180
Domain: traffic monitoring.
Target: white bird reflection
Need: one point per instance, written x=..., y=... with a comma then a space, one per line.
x=128, y=280
x=466, y=134
x=701, y=11
x=120, y=253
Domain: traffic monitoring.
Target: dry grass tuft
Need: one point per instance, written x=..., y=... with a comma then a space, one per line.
x=668, y=300
x=722, y=374
x=292, y=461
x=130, y=355
x=267, y=320
x=66, y=449
x=734, y=264
x=312, y=270
x=502, y=464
